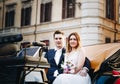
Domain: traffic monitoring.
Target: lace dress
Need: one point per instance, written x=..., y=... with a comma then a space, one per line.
x=72, y=78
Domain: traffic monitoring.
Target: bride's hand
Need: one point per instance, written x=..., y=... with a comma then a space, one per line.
x=83, y=72
x=72, y=71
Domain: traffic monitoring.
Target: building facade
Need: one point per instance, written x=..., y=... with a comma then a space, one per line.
x=97, y=21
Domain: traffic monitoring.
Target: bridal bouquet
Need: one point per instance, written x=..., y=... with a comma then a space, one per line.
x=68, y=67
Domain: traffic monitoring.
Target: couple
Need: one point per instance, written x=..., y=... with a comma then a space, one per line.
x=67, y=66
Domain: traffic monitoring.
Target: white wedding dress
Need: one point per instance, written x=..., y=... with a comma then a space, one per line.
x=72, y=78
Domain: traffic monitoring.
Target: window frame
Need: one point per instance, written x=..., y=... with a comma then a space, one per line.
x=26, y=16
x=119, y=11
x=10, y=15
x=46, y=12
x=110, y=9
x=68, y=9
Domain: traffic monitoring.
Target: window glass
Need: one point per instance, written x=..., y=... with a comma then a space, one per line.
x=26, y=13
x=25, y=16
x=119, y=11
x=46, y=10
x=110, y=9
x=68, y=9
x=10, y=15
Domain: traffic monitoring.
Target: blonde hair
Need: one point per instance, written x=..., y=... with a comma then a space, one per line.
x=68, y=47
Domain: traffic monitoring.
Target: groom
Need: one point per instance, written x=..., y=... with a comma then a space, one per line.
x=55, y=57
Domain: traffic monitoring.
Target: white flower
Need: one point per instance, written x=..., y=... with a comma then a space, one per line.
x=63, y=66
x=68, y=67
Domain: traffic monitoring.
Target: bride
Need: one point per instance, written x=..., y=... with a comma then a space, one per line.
x=73, y=64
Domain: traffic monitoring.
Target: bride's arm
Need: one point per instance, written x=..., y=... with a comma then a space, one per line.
x=80, y=63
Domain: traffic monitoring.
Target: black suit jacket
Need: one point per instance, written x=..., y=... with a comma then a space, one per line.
x=53, y=66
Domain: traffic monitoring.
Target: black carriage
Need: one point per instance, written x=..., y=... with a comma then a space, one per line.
x=17, y=62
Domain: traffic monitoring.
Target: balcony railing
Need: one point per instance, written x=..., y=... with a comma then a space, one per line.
x=10, y=35
x=9, y=31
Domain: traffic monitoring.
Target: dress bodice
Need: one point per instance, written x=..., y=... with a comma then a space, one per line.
x=72, y=58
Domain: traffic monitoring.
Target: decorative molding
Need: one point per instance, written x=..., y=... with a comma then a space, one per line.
x=27, y=3
x=11, y=6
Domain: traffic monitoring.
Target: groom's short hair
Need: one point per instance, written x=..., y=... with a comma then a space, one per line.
x=58, y=32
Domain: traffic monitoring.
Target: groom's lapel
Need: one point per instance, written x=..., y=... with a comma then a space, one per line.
x=62, y=56
x=53, y=55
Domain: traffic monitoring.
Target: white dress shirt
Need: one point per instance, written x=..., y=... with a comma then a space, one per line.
x=58, y=55
x=57, y=59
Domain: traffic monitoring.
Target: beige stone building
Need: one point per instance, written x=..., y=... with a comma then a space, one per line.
x=97, y=21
